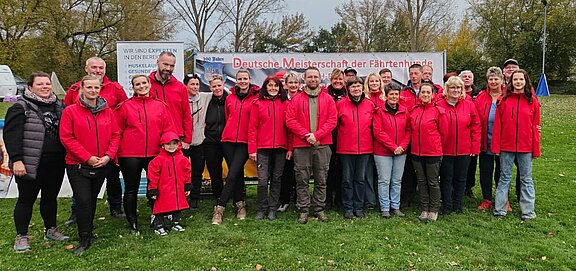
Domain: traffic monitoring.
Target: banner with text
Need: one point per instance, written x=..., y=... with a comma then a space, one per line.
x=263, y=65
x=139, y=57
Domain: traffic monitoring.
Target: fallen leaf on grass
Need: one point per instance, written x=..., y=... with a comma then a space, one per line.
x=213, y=269
x=330, y=263
x=412, y=267
x=259, y=267
x=69, y=246
x=550, y=235
x=101, y=218
x=454, y=264
x=561, y=175
x=544, y=258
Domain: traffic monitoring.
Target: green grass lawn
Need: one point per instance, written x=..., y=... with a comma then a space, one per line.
x=471, y=241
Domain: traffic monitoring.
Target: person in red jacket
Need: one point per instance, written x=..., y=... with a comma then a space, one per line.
x=409, y=96
x=459, y=144
x=374, y=89
x=165, y=87
x=90, y=135
x=386, y=75
x=486, y=107
x=169, y=174
x=355, y=114
x=113, y=93
x=336, y=89
x=235, y=144
x=392, y=133
x=268, y=144
x=142, y=121
x=311, y=116
x=516, y=136
x=428, y=124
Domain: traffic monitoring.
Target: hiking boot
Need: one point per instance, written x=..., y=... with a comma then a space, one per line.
x=260, y=215
x=446, y=211
x=21, y=244
x=423, y=216
x=160, y=231
x=272, y=215
x=485, y=205
x=178, y=228
x=386, y=214
x=241, y=214
x=398, y=213
x=321, y=216
x=432, y=216
x=117, y=213
x=303, y=218
x=217, y=216
x=348, y=215
x=283, y=207
x=85, y=243
x=359, y=214
x=508, y=208
x=54, y=235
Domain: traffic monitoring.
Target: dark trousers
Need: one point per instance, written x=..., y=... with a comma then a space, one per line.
x=354, y=180
x=131, y=172
x=471, y=173
x=306, y=161
x=517, y=179
x=453, y=172
x=371, y=186
x=409, y=182
x=334, y=180
x=288, y=187
x=213, y=156
x=113, y=189
x=489, y=173
x=86, y=193
x=196, y=154
x=270, y=165
x=159, y=219
x=50, y=174
x=427, y=169
x=236, y=155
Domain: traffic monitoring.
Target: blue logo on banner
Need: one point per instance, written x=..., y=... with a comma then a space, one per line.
x=211, y=68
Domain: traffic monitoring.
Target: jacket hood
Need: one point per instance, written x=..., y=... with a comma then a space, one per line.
x=167, y=137
x=101, y=104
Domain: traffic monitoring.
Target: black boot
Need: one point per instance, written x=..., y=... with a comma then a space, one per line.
x=133, y=224
x=130, y=202
x=193, y=203
x=85, y=243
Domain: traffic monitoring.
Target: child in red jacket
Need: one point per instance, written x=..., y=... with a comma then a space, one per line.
x=169, y=183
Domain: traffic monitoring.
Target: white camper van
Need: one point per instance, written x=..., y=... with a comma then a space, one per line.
x=7, y=82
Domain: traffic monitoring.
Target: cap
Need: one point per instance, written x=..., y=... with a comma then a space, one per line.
x=280, y=74
x=167, y=137
x=350, y=69
x=510, y=61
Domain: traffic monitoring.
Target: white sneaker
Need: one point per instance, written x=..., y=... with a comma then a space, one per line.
x=178, y=228
x=283, y=207
x=160, y=231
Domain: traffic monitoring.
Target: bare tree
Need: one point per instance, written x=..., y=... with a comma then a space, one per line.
x=202, y=17
x=426, y=20
x=292, y=34
x=242, y=16
x=366, y=20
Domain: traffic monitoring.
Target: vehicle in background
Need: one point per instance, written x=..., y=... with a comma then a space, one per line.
x=7, y=83
x=20, y=84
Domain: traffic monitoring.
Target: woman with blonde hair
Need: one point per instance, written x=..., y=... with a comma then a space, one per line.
x=373, y=88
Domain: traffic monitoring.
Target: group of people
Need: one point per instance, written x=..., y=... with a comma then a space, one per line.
x=366, y=143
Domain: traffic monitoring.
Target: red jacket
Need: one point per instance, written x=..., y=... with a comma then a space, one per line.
x=169, y=177
x=112, y=92
x=298, y=119
x=516, y=125
x=408, y=98
x=267, y=129
x=463, y=133
x=391, y=130
x=355, y=126
x=375, y=97
x=85, y=135
x=252, y=90
x=142, y=121
x=482, y=103
x=428, y=125
x=175, y=95
x=237, y=118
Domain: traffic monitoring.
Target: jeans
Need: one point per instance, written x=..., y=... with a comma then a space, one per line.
x=527, y=193
x=427, y=170
x=390, y=171
x=353, y=180
x=453, y=172
x=270, y=165
x=307, y=160
x=489, y=173
x=86, y=193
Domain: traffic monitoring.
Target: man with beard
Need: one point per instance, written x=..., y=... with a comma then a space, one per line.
x=311, y=116
x=113, y=93
x=165, y=87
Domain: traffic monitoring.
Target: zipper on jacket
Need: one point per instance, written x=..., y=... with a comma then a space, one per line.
x=164, y=93
x=239, y=118
x=175, y=181
x=456, y=120
x=517, y=119
x=358, y=125
x=390, y=120
x=485, y=107
x=139, y=117
x=146, y=127
x=88, y=121
x=97, y=140
x=420, y=132
x=395, y=128
x=274, y=122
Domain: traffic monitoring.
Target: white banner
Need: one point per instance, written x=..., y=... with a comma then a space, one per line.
x=263, y=64
x=139, y=57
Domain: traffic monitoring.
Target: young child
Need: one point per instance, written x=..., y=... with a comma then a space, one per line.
x=169, y=175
